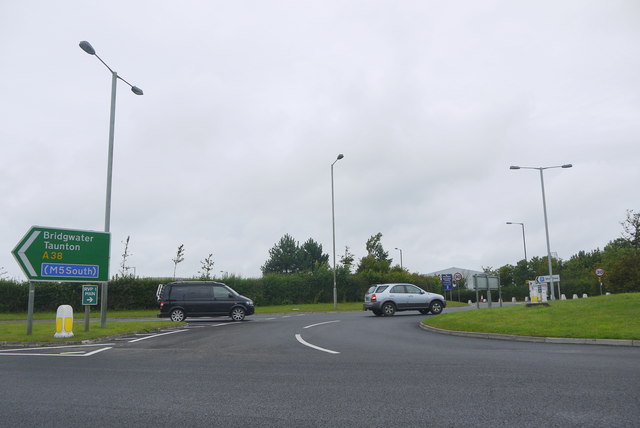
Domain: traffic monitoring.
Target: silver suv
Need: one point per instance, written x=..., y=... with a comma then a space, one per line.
x=386, y=299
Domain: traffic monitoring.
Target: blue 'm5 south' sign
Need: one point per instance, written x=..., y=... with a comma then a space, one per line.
x=54, y=270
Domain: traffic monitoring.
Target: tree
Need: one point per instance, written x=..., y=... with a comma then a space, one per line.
x=377, y=259
x=207, y=267
x=631, y=229
x=284, y=257
x=178, y=259
x=311, y=256
x=124, y=269
x=347, y=259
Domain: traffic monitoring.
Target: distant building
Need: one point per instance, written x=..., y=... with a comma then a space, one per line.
x=467, y=275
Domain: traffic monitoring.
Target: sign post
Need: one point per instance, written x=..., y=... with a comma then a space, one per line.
x=447, y=283
x=89, y=297
x=62, y=255
x=457, y=277
x=600, y=273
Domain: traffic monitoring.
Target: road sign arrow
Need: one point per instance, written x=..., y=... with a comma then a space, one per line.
x=23, y=250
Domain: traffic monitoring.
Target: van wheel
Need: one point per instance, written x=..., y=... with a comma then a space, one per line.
x=177, y=315
x=237, y=314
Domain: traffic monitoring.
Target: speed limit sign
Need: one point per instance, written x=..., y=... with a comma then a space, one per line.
x=600, y=272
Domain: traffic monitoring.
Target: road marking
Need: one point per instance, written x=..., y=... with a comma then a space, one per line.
x=88, y=354
x=62, y=354
x=321, y=323
x=156, y=335
x=301, y=340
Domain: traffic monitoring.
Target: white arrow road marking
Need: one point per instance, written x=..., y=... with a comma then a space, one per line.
x=25, y=247
x=301, y=340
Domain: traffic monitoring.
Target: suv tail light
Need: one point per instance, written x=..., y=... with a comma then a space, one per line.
x=161, y=304
x=374, y=298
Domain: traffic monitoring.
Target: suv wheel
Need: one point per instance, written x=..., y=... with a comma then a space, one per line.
x=436, y=307
x=388, y=309
x=177, y=315
x=237, y=314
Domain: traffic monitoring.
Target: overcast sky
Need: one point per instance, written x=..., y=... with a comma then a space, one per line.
x=247, y=103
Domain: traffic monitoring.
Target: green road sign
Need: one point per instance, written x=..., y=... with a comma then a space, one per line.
x=47, y=254
x=89, y=294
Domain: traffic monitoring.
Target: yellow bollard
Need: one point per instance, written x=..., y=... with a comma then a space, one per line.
x=64, y=321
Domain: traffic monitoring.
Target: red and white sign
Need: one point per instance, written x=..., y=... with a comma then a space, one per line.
x=600, y=272
x=457, y=276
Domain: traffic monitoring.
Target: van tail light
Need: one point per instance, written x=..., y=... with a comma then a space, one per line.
x=374, y=298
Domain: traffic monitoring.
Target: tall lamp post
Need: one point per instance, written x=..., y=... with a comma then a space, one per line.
x=524, y=242
x=333, y=222
x=546, y=223
x=86, y=46
x=400, y=249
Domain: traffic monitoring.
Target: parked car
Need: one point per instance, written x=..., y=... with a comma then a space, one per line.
x=179, y=300
x=387, y=299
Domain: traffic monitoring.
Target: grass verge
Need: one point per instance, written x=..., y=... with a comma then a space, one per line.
x=603, y=317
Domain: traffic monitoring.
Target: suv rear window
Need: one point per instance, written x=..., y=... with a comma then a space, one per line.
x=382, y=288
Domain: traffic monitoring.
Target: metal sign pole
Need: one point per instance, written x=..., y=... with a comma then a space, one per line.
x=87, y=310
x=32, y=292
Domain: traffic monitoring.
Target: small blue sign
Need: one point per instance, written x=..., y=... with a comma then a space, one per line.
x=447, y=281
x=54, y=270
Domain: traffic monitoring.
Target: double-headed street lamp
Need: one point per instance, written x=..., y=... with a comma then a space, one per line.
x=333, y=222
x=546, y=223
x=400, y=249
x=524, y=242
x=86, y=46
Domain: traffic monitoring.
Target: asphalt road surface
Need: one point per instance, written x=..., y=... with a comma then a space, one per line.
x=319, y=370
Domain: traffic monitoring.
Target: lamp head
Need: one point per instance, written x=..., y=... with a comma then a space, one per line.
x=567, y=165
x=137, y=90
x=340, y=156
x=514, y=167
x=86, y=46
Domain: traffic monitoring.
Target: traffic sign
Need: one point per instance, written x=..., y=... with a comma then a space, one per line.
x=447, y=281
x=547, y=278
x=457, y=276
x=48, y=254
x=600, y=272
x=89, y=294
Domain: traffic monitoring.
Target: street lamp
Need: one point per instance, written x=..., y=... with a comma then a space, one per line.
x=546, y=223
x=523, y=240
x=333, y=221
x=400, y=249
x=86, y=46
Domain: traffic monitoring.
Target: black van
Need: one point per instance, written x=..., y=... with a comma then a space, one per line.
x=179, y=300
